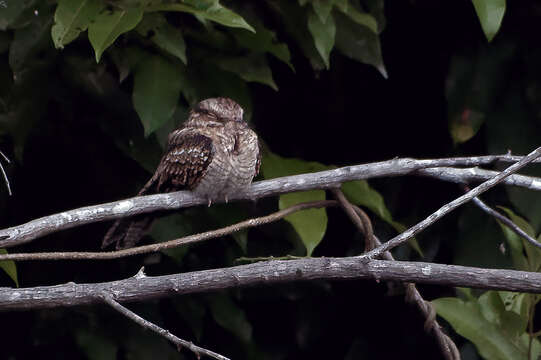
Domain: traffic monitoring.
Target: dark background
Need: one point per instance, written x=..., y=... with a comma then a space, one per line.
x=347, y=115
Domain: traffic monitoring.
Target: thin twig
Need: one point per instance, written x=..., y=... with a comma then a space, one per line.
x=190, y=239
x=447, y=208
x=447, y=346
x=24, y=233
x=363, y=224
x=198, y=351
x=506, y=221
x=4, y=175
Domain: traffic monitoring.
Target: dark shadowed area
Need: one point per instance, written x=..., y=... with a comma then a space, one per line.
x=76, y=139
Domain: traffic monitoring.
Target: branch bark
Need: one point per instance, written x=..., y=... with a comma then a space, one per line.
x=447, y=208
x=37, y=228
x=142, y=287
x=197, y=350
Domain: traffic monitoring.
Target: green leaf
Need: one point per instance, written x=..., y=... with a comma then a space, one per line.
x=164, y=35
x=518, y=302
x=517, y=243
x=360, y=193
x=9, y=268
x=490, y=14
x=126, y=59
x=323, y=34
x=358, y=42
x=323, y=9
x=73, y=17
x=216, y=13
x=295, y=20
x=250, y=68
x=156, y=91
x=494, y=310
x=491, y=306
x=310, y=224
x=467, y=319
x=465, y=125
x=202, y=5
x=229, y=316
x=362, y=18
x=263, y=41
x=342, y=5
x=109, y=25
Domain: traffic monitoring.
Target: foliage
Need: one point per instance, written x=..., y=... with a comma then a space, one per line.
x=91, y=88
x=9, y=267
x=500, y=323
x=490, y=13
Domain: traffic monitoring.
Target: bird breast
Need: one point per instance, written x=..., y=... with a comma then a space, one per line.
x=233, y=165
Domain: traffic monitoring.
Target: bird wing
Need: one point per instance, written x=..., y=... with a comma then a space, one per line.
x=183, y=165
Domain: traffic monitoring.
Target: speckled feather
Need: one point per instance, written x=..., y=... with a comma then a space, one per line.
x=214, y=154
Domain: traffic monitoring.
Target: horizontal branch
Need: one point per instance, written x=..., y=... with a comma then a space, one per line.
x=160, y=246
x=142, y=287
x=24, y=233
x=470, y=175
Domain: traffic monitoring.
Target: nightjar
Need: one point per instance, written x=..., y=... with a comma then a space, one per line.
x=214, y=154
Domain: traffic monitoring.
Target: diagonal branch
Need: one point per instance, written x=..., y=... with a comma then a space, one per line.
x=266, y=273
x=37, y=228
x=4, y=175
x=507, y=222
x=198, y=351
x=447, y=208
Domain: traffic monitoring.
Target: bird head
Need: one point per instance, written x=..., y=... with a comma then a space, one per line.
x=223, y=109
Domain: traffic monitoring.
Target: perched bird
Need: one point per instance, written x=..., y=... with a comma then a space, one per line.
x=213, y=154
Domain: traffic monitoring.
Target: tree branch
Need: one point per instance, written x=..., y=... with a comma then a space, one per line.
x=268, y=272
x=447, y=208
x=507, y=222
x=190, y=239
x=198, y=351
x=362, y=222
x=4, y=175
x=471, y=175
x=31, y=230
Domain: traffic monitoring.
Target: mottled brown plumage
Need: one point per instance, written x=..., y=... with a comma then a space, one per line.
x=213, y=154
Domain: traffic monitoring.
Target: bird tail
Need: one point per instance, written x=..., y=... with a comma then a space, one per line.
x=127, y=232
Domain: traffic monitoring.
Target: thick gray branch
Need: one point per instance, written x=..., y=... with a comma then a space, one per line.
x=320, y=180
x=140, y=287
